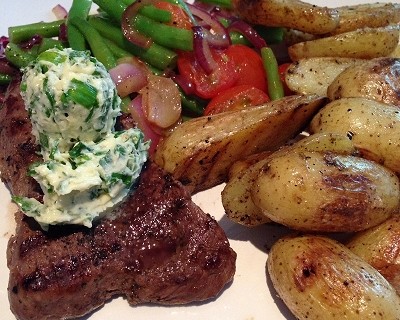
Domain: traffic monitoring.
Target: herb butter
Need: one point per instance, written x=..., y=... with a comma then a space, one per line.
x=87, y=167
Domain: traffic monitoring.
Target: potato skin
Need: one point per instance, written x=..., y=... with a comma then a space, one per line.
x=367, y=43
x=380, y=247
x=373, y=126
x=326, y=192
x=371, y=15
x=236, y=195
x=375, y=79
x=314, y=75
x=293, y=14
x=319, y=278
x=200, y=151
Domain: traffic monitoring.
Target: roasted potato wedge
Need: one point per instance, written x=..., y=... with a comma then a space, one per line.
x=376, y=79
x=293, y=14
x=240, y=166
x=373, y=126
x=380, y=247
x=314, y=75
x=200, y=151
x=367, y=43
x=236, y=195
x=319, y=278
x=325, y=192
x=371, y=15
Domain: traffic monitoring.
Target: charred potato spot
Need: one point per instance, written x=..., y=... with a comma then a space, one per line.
x=329, y=193
x=319, y=278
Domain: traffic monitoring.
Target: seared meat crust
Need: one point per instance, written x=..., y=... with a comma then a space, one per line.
x=157, y=247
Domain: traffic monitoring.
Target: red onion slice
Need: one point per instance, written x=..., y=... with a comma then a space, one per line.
x=136, y=111
x=128, y=78
x=34, y=40
x=202, y=50
x=161, y=102
x=217, y=35
x=129, y=30
x=60, y=12
x=249, y=32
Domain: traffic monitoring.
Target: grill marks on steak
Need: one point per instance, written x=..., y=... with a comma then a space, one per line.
x=158, y=247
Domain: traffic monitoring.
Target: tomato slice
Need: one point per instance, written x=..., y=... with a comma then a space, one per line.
x=248, y=65
x=206, y=85
x=235, y=98
x=179, y=17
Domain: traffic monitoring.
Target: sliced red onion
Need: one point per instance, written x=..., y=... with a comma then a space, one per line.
x=60, y=12
x=128, y=78
x=136, y=111
x=184, y=84
x=36, y=39
x=129, y=30
x=161, y=102
x=218, y=36
x=202, y=50
x=249, y=32
x=3, y=44
x=62, y=32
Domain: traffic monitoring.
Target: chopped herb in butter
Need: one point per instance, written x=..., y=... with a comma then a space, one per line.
x=87, y=167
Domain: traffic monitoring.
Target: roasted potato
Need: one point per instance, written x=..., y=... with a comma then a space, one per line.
x=325, y=192
x=293, y=14
x=371, y=15
x=380, y=247
x=373, y=126
x=200, y=151
x=236, y=195
x=376, y=79
x=314, y=75
x=319, y=278
x=367, y=43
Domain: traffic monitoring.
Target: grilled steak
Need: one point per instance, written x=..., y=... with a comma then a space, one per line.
x=157, y=247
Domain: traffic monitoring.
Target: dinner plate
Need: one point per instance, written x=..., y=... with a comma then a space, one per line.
x=249, y=297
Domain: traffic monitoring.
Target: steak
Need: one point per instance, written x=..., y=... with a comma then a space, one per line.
x=157, y=246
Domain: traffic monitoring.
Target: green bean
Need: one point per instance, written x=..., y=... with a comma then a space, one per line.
x=155, y=13
x=96, y=42
x=5, y=79
x=275, y=87
x=79, y=8
x=22, y=57
x=76, y=40
x=165, y=35
x=193, y=106
x=49, y=43
x=117, y=51
x=22, y=33
x=156, y=55
x=125, y=103
x=17, y=56
x=114, y=9
x=238, y=38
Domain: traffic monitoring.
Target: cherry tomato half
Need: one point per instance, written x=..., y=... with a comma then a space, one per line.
x=248, y=65
x=235, y=98
x=179, y=18
x=206, y=85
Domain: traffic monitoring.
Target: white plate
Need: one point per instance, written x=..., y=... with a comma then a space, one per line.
x=250, y=296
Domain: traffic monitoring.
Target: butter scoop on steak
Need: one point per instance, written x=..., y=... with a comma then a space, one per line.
x=160, y=247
